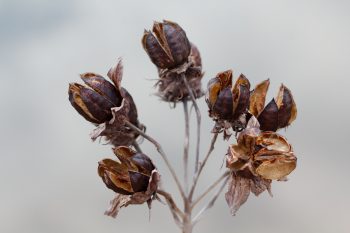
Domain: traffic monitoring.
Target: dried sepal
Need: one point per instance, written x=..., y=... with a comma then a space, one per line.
x=240, y=95
x=257, y=98
x=238, y=192
x=116, y=74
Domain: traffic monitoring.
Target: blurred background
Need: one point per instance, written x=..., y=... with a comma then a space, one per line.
x=48, y=177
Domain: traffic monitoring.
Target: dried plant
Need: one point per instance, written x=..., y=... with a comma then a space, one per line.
x=259, y=155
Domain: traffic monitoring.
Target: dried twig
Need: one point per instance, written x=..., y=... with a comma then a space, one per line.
x=198, y=113
x=161, y=152
x=176, y=212
x=186, y=145
x=196, y=177
x=211, y=202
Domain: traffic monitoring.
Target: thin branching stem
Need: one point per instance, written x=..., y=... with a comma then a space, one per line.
x=210, y=188
x=186, y=145
x=211, y=202
x=196, y=176
x=198, y=114
x=162, y=153
x=175, y=211
x=137, y=146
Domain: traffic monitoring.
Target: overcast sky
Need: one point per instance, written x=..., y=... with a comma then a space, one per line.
x=48, y=177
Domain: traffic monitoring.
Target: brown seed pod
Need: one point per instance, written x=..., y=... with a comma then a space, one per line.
x=279, y=113
x=167, y=45
x=256, y=160
x=130, y=176
x=225, y=102
x=106, y=105
x=176, y=58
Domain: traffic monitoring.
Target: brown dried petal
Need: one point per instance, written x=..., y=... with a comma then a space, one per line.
x=258, y=185
x=139, y=181
x=225, y=78
x=238, y=192
x=236, y=157
x=103, y=87
x=276, y=169
x=273, y=142
x=116, y=204
x=257, y=98
x=268, y=118
x=287, y=111
x=115, y=74
x=132, y=113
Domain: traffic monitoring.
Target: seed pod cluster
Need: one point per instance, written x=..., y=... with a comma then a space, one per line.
x=176, y=58
x=278, y=113
x=258, y=158
x=106, y=105
x=135, y=178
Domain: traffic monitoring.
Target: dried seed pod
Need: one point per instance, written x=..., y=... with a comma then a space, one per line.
x=134, y=179
x=279, y=113
x=176, y=58
x=256, y=160
x=167, y=45
x=106, y=105
x=130, y=176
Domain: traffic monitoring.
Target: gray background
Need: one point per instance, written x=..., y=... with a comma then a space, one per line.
x=48, y=164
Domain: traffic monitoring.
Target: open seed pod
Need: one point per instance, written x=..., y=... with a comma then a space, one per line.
x=106, y=105
x=176, y=59
x=256, y=160
x=278, y=113
x=135, y=178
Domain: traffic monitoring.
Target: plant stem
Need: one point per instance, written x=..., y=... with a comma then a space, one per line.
x=186, y=145
x=176, y=212
x=196, y=177
x=198, y=113
x=211, y=202
x=211, y=187
x=137, y=146
x=161, y=152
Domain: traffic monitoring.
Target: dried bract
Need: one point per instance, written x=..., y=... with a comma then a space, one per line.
x=228, y=104
x=134, y=178
x=257, y=159
x=176, y=58
x=278, y=113
x=106, y=105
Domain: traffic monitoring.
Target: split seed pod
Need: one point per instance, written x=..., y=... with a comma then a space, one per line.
x=224, y=101
x=176, y=58
x=134, y=179
x=106, y=105
x=278, y=113
x=167, y=45
x=256, y=160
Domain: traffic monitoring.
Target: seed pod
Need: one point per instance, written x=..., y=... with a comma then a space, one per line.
x=106, y=105
x=279, y=113
x=131, y=175
x=225, y=102
x=167, y=45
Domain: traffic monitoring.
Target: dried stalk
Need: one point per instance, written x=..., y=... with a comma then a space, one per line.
x=186, y=145
x=176, y=212
x=210, y=188
x=198, y=114
x=161, y=152
x=211, y=202
x=137, y=146
x=211, y=148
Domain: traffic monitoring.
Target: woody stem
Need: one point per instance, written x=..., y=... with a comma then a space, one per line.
x=198, y=114
x=162, y=153
x=196, y=177
x=186, y=145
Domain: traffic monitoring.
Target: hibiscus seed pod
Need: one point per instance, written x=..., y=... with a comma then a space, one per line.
x=93, y=104
x=131, y=175
x=167, y=45
x=287, y=111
